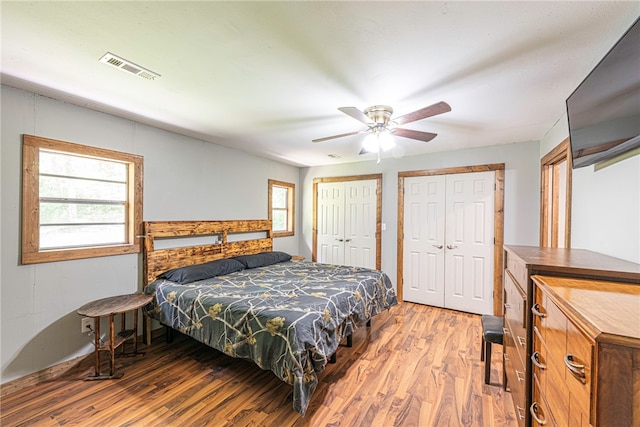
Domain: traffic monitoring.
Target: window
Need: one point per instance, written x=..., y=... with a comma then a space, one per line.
x=78, y=201
x=281, y=211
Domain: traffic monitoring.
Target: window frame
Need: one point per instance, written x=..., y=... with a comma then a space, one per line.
x=291, y=202
x=550, y=203
x=30, y=251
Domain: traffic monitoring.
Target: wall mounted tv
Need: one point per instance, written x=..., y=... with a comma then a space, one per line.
x=604, y=111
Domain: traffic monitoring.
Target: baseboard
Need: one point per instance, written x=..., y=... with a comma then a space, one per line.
x=39, y=377
x=56, y=371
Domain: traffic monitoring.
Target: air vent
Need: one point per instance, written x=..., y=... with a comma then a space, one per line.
x=128, y=66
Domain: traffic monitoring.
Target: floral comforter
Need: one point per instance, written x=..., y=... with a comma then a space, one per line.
x=287, y=317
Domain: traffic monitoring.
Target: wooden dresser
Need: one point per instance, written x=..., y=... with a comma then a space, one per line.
x=586, y=353
x=522, y=262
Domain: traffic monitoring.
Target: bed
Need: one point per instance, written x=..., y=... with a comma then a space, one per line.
x=236, y=295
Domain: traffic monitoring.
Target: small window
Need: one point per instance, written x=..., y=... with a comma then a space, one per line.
x=281, y=208
x=78, y=201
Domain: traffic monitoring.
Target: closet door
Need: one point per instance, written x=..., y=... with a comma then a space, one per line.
x=424, y=215
x=330, y=234
x=346, y=228
x=360, y=223
x=448, y=241
x=469, y=242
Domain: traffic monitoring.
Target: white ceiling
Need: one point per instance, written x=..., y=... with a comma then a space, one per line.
x=268, y=77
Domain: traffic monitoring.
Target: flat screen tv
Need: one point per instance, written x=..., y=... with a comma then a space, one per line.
x=604, y=111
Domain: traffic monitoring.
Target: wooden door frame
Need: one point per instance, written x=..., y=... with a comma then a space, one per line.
x=557, y=155
x=378, y=178
x=498, y=223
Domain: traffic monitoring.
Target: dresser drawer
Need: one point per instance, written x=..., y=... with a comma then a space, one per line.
x=518, y=270
x=557, y=394
x=539, y=312
x=562, y=360
x=539, y=410
x=549, y=379
x=516, y=380
x=515, y=312
x=539, y=362
x=551, y=326
x=578, y=361
x=569, y=351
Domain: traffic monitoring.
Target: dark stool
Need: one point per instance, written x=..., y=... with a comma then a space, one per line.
x=492, y=333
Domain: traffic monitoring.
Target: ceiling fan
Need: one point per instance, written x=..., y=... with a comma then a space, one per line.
x=380, y=125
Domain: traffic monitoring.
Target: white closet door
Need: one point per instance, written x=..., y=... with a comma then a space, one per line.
x=469, y=242
x=423, y=254
x=360, y=223
x=330, y=227
x=346, y=229
x=448, y=241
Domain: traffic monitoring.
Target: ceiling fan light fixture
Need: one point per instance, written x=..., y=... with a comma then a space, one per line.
x=370, y=143
x=386, y=141
x=381, y=127
x=378, y=141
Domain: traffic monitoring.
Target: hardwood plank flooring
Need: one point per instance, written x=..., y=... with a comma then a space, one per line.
x=416, y=366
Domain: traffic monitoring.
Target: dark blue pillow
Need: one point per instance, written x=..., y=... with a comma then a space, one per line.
x=207, y=270
x=262, y=259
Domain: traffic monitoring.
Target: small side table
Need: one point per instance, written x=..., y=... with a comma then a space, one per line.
x=110, y=307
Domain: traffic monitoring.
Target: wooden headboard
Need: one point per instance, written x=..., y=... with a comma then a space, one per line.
x=157, y=261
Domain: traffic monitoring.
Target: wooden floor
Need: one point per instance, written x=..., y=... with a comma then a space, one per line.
x=416, y=366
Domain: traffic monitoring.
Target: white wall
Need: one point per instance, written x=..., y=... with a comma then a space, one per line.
x=188, y=179
x=521, y=191
x=184, y=179
x=605, y=205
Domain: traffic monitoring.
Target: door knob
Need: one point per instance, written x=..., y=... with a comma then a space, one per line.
x=340, y=240
x=452, y=247
x=438, y=246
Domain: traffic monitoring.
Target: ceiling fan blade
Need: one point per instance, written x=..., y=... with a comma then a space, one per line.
x=423, y=113
x=415, y=134
x=356, y=114
x=326, y=138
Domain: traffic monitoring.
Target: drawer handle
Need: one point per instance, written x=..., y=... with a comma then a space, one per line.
x=576, y=369
x=506, y=331
x=507, y=305
x=520, y=412
x=535, y=309
x=506, y=356
x=522, y=341
x=520, y=375
x=535, y=359
x=535, y=413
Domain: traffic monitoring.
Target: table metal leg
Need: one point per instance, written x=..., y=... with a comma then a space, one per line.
x=123, y=327
x=146, y=320
x=135, y=331
x=96, y=343
x=112, y=352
